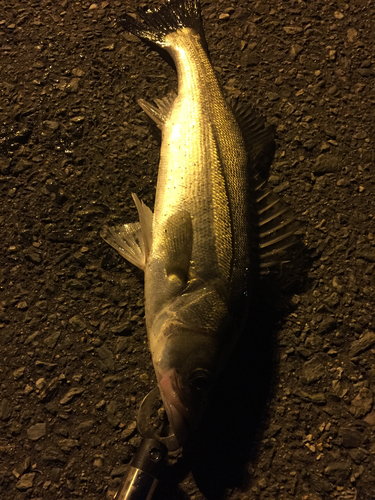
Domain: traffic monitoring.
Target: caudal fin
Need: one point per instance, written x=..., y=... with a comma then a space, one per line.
x=170, y=17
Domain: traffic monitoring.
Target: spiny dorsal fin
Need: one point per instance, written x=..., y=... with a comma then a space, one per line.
x=132, y=241
x=259, y=138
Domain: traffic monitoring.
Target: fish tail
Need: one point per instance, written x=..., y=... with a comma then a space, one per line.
x=170, y=17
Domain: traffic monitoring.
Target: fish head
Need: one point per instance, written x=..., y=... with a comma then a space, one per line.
x=187, y=360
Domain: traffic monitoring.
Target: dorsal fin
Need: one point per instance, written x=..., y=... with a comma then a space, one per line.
x=276, y=222
x=259, y=138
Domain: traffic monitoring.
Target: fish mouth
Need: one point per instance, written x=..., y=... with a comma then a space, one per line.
x=177, y=412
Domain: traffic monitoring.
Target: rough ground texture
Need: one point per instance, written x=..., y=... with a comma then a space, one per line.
x=299, y=421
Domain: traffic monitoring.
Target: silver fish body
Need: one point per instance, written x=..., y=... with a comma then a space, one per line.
x=196, y=249
x=200, y=252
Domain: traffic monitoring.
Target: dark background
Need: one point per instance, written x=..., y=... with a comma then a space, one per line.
x=75, y=364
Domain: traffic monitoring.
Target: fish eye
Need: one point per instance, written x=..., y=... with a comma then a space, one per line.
x=200, y=380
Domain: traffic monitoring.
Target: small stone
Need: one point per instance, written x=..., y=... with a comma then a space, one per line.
x=77, y=119
x=358, y=455
x=55, y=474
x=33, y=255
x=40, y=383
x=295, y=50
x=119, y=471
x=4, y=165
x=77, y=323
x=21, y=166
x=70, y=395
x=370, y=419
x=37, y=431
x=26, y=481
x=50, y=390
x=106, y=357
x=73, y=85
x=122, y=329
x=338, y=15
x=28, y=389
x=333, y=300
x=224, y=15
x=272, y=96
x=46, y=365
x=112, y=380
x=361, y=134
x=326, y=163
x=17, y=374
x=309, y=144
x=362, y=403
x=53, y=456
x=326, y=326
x=128, y=431
x=68, y=444
x=261, y=8
x=339, y=470
x=362, y=345
x=22, y=305
x=78, y=72
x=93, y=6
x=332, y=54
x=85, y=426
x=292, y=30
x=281, y=187
x=5, y=409
x=250, y=58
x=316, y=398
x=22, y=468
x=51, y=125
x=109, y=47
x=314, y=369
x=52, y=340
x=351, y=438
x=324, y=147
x=15, y=427
x=351, y=34
x=100, y=405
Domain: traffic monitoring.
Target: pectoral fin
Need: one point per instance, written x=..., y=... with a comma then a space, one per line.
x=177, y=246
x=132, y=241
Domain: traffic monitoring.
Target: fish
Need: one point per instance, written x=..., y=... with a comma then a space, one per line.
x=215, y=222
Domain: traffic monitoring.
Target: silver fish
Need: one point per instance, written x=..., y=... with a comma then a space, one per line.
x=197, y=249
